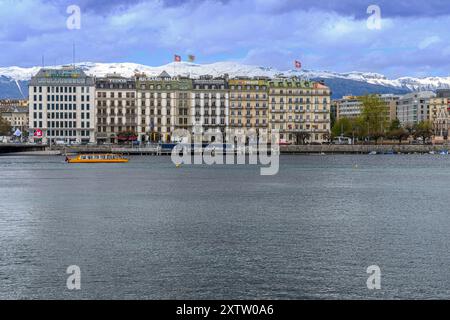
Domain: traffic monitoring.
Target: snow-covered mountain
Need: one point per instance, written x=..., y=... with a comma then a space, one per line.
x=17, y=76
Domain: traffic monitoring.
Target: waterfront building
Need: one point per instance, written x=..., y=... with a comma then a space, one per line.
x=439, y=114
x=249, y=105
x=116, y=108
x=7, y=103
x=414, y=107
x=348, y=107
x=209, y=107
x=17, y=116
x=351, y=107
x=162, y=102
x=69, y=106
x=62, y=106
x=299, y=108
x=391, y=101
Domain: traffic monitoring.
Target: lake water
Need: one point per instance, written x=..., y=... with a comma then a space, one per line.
x=152, y=231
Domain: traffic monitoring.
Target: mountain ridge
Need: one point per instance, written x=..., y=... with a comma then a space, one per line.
x=17, y=77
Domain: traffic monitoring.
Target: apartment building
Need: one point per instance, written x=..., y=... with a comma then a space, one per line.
x=62, y=106
x=249, y=107
x=351, y=107
x=116, y=108
x=5, y=104
x=209, y=107
x=414, y=107
x=67, y=105
x=297, y=107
x=17, y=116
x=439, y=114
x=162, y=106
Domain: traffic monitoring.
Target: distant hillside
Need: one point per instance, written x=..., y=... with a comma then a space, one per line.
x=344, y=87
x=12, y=89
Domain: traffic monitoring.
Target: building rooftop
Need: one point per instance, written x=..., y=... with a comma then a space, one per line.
x=62, y=76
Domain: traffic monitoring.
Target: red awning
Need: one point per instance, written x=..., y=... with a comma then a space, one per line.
x=130, y=138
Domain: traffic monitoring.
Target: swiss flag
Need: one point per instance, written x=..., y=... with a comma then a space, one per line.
x=177, y=58
x=298, y=64
x=38, y=133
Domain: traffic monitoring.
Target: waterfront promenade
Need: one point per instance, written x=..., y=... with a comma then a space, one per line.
x=157, y=150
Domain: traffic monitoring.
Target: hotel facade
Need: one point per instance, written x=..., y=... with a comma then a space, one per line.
x=67, y=105
x=116, y=107
x=298, y=107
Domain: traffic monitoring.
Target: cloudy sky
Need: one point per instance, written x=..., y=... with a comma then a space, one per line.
x=325, y=35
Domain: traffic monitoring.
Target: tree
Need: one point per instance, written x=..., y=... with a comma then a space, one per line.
x=5, y=127
x=374, y=115
x=424, y=130
x=377, y=135
x=302, y=136
x=349, y=127
x=395, y=125
x=342, y=127
x=327, y=137
x=399, y=134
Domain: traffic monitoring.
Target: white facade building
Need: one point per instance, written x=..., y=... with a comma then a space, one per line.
x=62, y=106
x=414, y=107
x=209, y=107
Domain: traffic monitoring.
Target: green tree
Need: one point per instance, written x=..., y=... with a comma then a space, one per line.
x=395, y=125
x=5, y=127
x=374, y=115
x=342, y=127
x=399, y=134
x=424, y=130
x=349, y=127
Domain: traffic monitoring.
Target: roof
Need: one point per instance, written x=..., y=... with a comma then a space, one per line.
x=63, y=76
x=164, y=74
x=14, y=109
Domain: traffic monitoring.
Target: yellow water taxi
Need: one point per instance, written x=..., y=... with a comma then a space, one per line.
x=97, y=158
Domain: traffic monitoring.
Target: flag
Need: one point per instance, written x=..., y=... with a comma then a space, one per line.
x=298, y=64
x=177, y=58
x=191, y=58
x=38, y=133
x=18, y=133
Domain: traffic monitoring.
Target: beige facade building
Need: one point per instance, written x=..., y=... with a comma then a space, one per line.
x=249, y=105
x=67, y=105
x=163, y=104
x=7, y=103
x=440, y=116
x=18, y=117
x=299, y=108
x=116, y=108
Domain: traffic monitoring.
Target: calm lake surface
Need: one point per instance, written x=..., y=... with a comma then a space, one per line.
x=149, y=230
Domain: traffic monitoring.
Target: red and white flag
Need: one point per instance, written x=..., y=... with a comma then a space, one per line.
x=298, y=64
x=177, y=58
x=38, y=133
